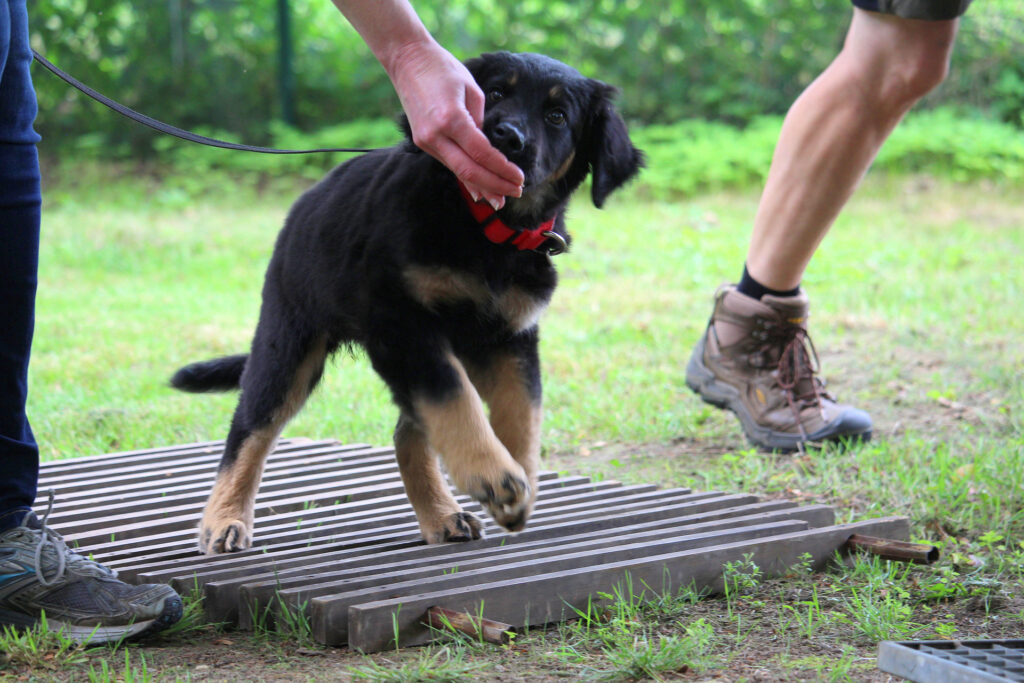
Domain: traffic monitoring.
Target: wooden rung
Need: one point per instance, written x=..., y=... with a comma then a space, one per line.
x=553, y=596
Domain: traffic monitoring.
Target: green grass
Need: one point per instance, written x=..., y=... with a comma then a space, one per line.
x=916, y=313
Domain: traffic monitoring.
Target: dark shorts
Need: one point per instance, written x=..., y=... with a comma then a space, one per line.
x=935, y=10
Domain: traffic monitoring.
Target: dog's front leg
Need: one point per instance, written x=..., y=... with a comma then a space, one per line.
x=456, y=426
x=511, y=387
x=431, y=386
x=440, y=517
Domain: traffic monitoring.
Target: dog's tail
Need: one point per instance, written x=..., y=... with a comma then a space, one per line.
x=219, y=374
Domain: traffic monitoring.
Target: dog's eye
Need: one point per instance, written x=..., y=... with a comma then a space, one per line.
x=556, y=117
x=495, y=95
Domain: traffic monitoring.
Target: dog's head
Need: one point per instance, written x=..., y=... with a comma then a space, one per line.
x=556, y=125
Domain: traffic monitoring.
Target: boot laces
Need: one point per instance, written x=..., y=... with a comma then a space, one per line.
x=798, y=367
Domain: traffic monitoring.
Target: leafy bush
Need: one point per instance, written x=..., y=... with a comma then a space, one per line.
x=683, y=159
x=962, y=147
x=215, y=64
x=695, y=156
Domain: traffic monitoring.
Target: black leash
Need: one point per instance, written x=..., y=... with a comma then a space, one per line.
x=171, y=130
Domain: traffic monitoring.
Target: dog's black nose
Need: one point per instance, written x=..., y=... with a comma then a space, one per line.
x=509, y=138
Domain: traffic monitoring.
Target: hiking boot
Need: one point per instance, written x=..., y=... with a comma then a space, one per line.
x=757, y=360
x=39, y=573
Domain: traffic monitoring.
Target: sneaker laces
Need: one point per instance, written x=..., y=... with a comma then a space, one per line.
x=65, y=556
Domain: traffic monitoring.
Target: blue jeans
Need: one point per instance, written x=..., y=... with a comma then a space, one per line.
x=20, y=202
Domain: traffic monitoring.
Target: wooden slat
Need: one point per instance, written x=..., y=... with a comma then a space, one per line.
x=143, y=476
x=222, y=599
x=549, y=597
x=316, y=521
x=353, y=533
x=337, y=535
x=367, y=583
x=98, y=491
x=516, y=566
x=325, y=476
x=208, y=452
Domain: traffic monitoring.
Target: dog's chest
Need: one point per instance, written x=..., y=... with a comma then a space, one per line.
x=436, y=287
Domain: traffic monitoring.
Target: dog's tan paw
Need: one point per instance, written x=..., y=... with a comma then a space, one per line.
x=508, y=498
x=457, y=527
x=224, y=536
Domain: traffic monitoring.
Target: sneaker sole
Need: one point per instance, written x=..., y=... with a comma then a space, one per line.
x=97, y=635
x=721, y=395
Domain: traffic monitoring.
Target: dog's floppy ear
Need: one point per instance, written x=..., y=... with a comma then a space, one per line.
x=613, y=158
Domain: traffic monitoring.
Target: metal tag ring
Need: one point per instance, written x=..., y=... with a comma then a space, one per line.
x=559, y=246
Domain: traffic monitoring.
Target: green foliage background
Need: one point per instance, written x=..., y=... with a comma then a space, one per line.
x=211, y=64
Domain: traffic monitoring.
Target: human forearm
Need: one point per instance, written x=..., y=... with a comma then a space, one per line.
x=388, y=27
x=443, y=103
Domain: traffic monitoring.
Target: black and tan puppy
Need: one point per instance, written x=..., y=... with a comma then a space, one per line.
x=389, y=252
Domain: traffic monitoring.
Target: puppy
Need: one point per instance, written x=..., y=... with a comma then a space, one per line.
x=389, y=252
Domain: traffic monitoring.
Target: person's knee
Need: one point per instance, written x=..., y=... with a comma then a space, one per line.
x=926, y=65
x=905, y=59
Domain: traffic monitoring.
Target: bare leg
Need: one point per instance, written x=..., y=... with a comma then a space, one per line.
x=833, y=132
x=756, y=359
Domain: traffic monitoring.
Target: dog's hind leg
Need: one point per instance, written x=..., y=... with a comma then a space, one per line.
x=511, y=386
x=284, y=367
x=440, y=517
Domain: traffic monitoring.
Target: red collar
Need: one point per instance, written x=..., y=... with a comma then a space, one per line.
x=496, y=231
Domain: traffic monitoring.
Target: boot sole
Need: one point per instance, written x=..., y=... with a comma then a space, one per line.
x=721, y=395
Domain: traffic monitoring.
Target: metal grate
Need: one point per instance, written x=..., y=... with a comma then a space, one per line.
x=336, y=537
x=962, y=661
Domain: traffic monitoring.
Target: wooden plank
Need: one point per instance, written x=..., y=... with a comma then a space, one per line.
x=99, y=491
x=222, y=587
x=210, y=450
x=343, y=532
x=168, y=544
x=278, y=528
x=186, y=517
x=146, y=476
x=585, y=535
x=196, y=573
x=175, y=541
x=130, y=527
x=365, y=487
x=552, y=596
x=144, y=452
x=332, y=606
x=362, y=583
x=333, y=602
x=323, y=476
x=304, y=524
x=222, y=584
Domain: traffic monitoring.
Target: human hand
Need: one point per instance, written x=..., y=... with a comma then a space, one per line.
x=445, y=108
